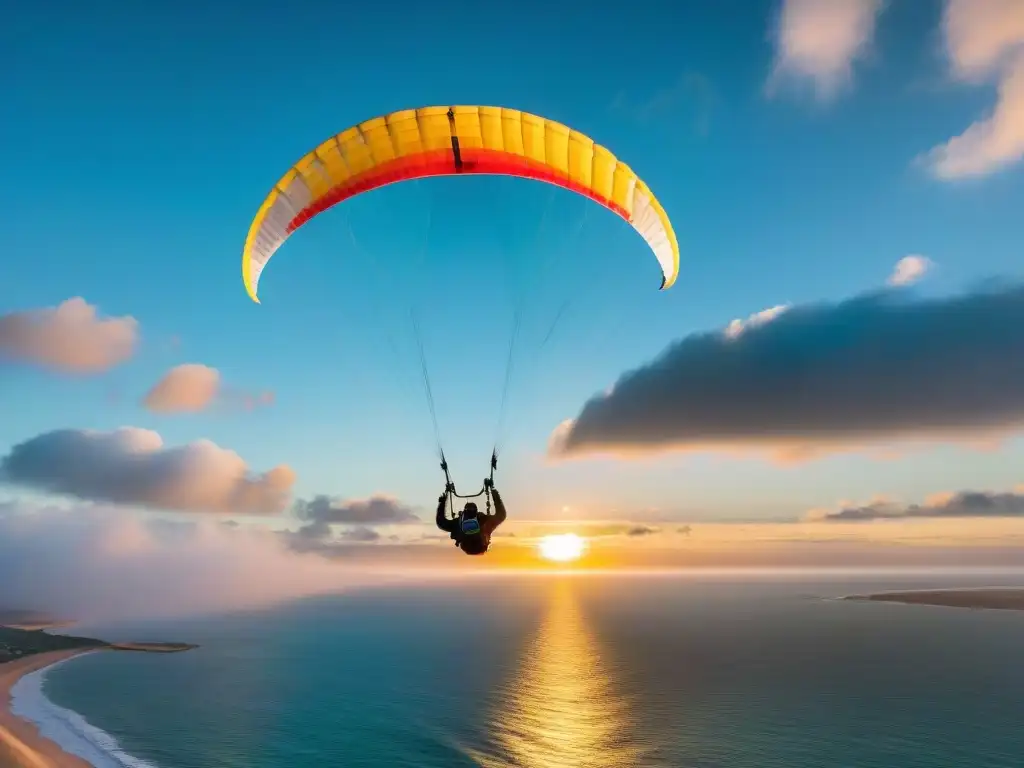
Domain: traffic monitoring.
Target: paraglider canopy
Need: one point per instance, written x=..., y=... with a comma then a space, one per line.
x=443, y=141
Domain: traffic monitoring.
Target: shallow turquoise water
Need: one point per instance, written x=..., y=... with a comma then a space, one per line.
x=546, y=673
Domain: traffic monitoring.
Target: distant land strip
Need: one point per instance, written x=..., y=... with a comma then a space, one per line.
x=990, y=598
x=22, y=634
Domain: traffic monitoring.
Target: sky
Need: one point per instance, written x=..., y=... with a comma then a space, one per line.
x=844, y=341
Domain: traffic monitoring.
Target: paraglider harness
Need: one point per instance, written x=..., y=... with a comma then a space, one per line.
x=469, y=534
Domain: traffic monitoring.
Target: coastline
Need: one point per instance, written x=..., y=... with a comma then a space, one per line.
x=981, y=598
x=21, y=743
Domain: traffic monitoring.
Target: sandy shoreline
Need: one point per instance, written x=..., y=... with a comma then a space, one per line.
x=21, y=745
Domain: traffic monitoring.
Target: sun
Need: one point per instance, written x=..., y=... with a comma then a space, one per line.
x=562, y=547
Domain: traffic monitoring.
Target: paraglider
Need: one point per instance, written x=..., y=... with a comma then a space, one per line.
x=470, y=529
x=448, y=141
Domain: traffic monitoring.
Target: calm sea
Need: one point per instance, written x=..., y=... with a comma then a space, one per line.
x=562, y=672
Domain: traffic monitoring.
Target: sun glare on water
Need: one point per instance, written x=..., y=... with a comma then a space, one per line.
x=562, y=547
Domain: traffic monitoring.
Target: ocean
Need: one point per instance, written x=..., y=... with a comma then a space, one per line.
x=560, y=672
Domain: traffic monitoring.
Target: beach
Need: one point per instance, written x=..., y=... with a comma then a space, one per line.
x=21, y=745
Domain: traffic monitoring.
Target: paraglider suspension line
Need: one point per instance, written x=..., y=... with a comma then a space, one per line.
x=509, y=367
x=454, y=494
x=426, y=384
x=565, y=304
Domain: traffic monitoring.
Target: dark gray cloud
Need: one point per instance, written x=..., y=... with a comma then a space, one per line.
x=360, y=533
x=319, y=536
x=376, y=510
x=879, y=366
x=315, y=531
x=586, y=529
x=322, y=513
x=962, y=504
x=132, y=466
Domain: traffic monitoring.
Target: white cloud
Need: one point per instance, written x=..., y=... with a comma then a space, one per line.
x=985, y=41
x=909, y=270
x=69, y=337
x=737, y=326
x=982, y=35
x=92, y=563
x=184, y=388
x=193, y=387
x=819, y=41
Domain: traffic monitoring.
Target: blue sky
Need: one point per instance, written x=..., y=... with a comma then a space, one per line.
x=139, y=143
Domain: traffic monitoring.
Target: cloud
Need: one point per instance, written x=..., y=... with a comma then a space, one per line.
x=69, y=338
x=961, y=504
x=982, y=36
x=819, y=377
x=737, y=326
x=131, y=466
x=985, y=42
x=909, y=270
x=185, y=388
x=322, y=513
x=819, y=41
x=193, y=387
x=989, y=144
x=376, y=510
x=319, y=536
x=621, y=530
x=318, y=530
x=359, y=533
x=91, y=563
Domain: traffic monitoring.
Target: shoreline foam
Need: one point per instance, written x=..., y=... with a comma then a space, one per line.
x=22, y=744
x=35, y=732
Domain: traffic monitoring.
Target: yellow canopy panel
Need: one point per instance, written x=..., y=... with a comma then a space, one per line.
x=443, y=141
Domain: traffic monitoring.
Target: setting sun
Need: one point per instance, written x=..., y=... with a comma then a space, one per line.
x=562, y=547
